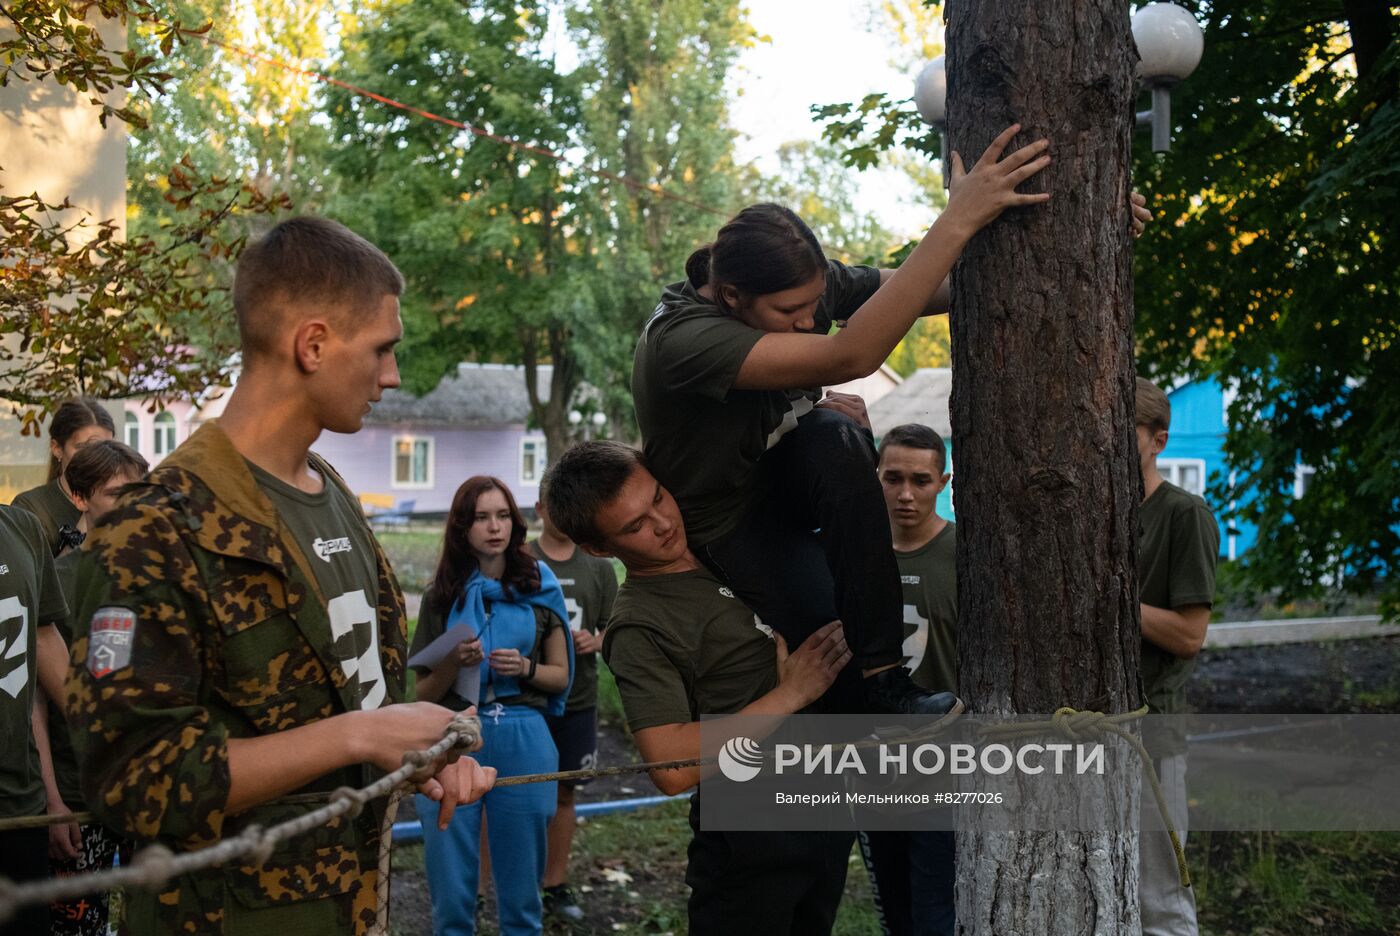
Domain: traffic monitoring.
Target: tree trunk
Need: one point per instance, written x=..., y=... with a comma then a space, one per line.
x=1047, y=483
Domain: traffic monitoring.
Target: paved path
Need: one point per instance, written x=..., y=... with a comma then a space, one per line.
x=1297, y=630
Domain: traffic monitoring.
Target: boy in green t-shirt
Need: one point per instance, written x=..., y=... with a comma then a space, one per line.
x=682, y=646
x=913, y=871
x=95, y=477
x=32, y=661
x=1177, y=550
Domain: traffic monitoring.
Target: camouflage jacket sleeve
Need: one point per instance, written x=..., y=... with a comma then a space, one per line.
x=154, y=763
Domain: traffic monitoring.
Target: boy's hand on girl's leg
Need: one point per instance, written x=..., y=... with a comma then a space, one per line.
x=812, y=669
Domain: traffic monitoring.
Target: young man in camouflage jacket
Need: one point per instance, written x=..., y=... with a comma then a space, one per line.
x=240, y=635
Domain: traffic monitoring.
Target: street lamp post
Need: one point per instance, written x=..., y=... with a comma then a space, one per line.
x=1169, y=41
x=593, y=425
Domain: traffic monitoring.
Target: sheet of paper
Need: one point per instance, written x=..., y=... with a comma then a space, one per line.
x=468, y=681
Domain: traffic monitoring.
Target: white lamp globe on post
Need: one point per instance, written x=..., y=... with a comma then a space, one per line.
x=931, y=99
x=1170, y=43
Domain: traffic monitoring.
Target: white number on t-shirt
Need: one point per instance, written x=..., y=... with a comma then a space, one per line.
x=14, y=681
x=916, y=644
x=348, y=610
x=575, y=613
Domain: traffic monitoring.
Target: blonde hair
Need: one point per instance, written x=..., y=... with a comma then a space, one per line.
x=1154, y=410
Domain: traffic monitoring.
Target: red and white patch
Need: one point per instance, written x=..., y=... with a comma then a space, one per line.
x=109, y=640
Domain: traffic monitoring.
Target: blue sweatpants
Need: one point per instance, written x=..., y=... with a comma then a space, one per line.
x=515, y=740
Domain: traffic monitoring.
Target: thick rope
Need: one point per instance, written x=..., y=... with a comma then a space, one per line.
x=154, y=865
x=386, y=863
x=1074, y=724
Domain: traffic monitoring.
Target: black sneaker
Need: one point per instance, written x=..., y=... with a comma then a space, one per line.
x=893, y=692
x=559, y=904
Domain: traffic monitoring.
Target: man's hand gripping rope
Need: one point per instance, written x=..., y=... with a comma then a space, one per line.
x=438, y=771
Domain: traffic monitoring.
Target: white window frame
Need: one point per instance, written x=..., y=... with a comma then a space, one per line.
x=541, y=452
x=1170, y=469
x=131, y=426
x=165, y=427
x=431, y=460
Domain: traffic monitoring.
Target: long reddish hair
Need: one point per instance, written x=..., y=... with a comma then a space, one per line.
x=458, y=562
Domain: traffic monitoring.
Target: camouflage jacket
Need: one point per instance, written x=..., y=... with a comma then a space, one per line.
x=229, y=638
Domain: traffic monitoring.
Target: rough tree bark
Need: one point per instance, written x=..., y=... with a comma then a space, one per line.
x=1047, y=480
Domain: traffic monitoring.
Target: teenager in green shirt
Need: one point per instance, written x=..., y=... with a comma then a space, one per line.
x=913, y=871
x=1177, y=550
x=682, y=646
x=95, y=477
x=76, y=423
x=32, y=662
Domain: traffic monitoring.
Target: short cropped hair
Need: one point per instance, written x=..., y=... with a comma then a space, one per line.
x=99, y=462
x=1154, y=410
x=916, y=436
x=313, y=261
x=586, y=479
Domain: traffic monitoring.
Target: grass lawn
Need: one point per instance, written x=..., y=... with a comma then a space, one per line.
x=630, y=869
x=413, y=554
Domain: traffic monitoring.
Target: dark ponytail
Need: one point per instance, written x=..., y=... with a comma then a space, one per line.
x=763, y=249
x=77, y=413
x=697, y=268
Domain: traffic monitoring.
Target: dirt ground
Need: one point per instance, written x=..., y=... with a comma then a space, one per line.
x=1336, y=677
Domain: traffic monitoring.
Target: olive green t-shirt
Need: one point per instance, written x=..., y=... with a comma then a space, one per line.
x=330, y=529
x=1177, y=550
x=682, y=646
x=701, y=436
x=590, y=586
x=432, y=624
x=52, y=507
x=30, y=598
x=930, y=582
x=65, y=759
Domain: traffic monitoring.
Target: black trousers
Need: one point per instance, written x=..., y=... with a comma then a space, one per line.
x=815, y=545
x=24, y=856
x=765, y=883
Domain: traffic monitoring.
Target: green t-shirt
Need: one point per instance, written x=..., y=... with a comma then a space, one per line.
x=701, y=436
x=432, y=624
x=682, y=646
x=30, y=598
x=930, y=581
x=52, y=507
x=1177, y=549
x=65, y=759
x=330, y=529
x=589, y=586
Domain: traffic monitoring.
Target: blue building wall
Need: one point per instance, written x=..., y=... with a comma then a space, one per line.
x=1197, y=438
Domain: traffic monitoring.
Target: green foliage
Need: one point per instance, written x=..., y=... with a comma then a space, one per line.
x=92, y=308
x=655, y=114
x=1274, y=269
x=62, y=42
x=112, y=316
x=813, y=182
x=229, y=113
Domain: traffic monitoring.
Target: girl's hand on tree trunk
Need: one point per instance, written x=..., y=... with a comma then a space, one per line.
x=976, y=198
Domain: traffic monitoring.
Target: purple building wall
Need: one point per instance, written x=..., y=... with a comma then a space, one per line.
x=366, y=461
